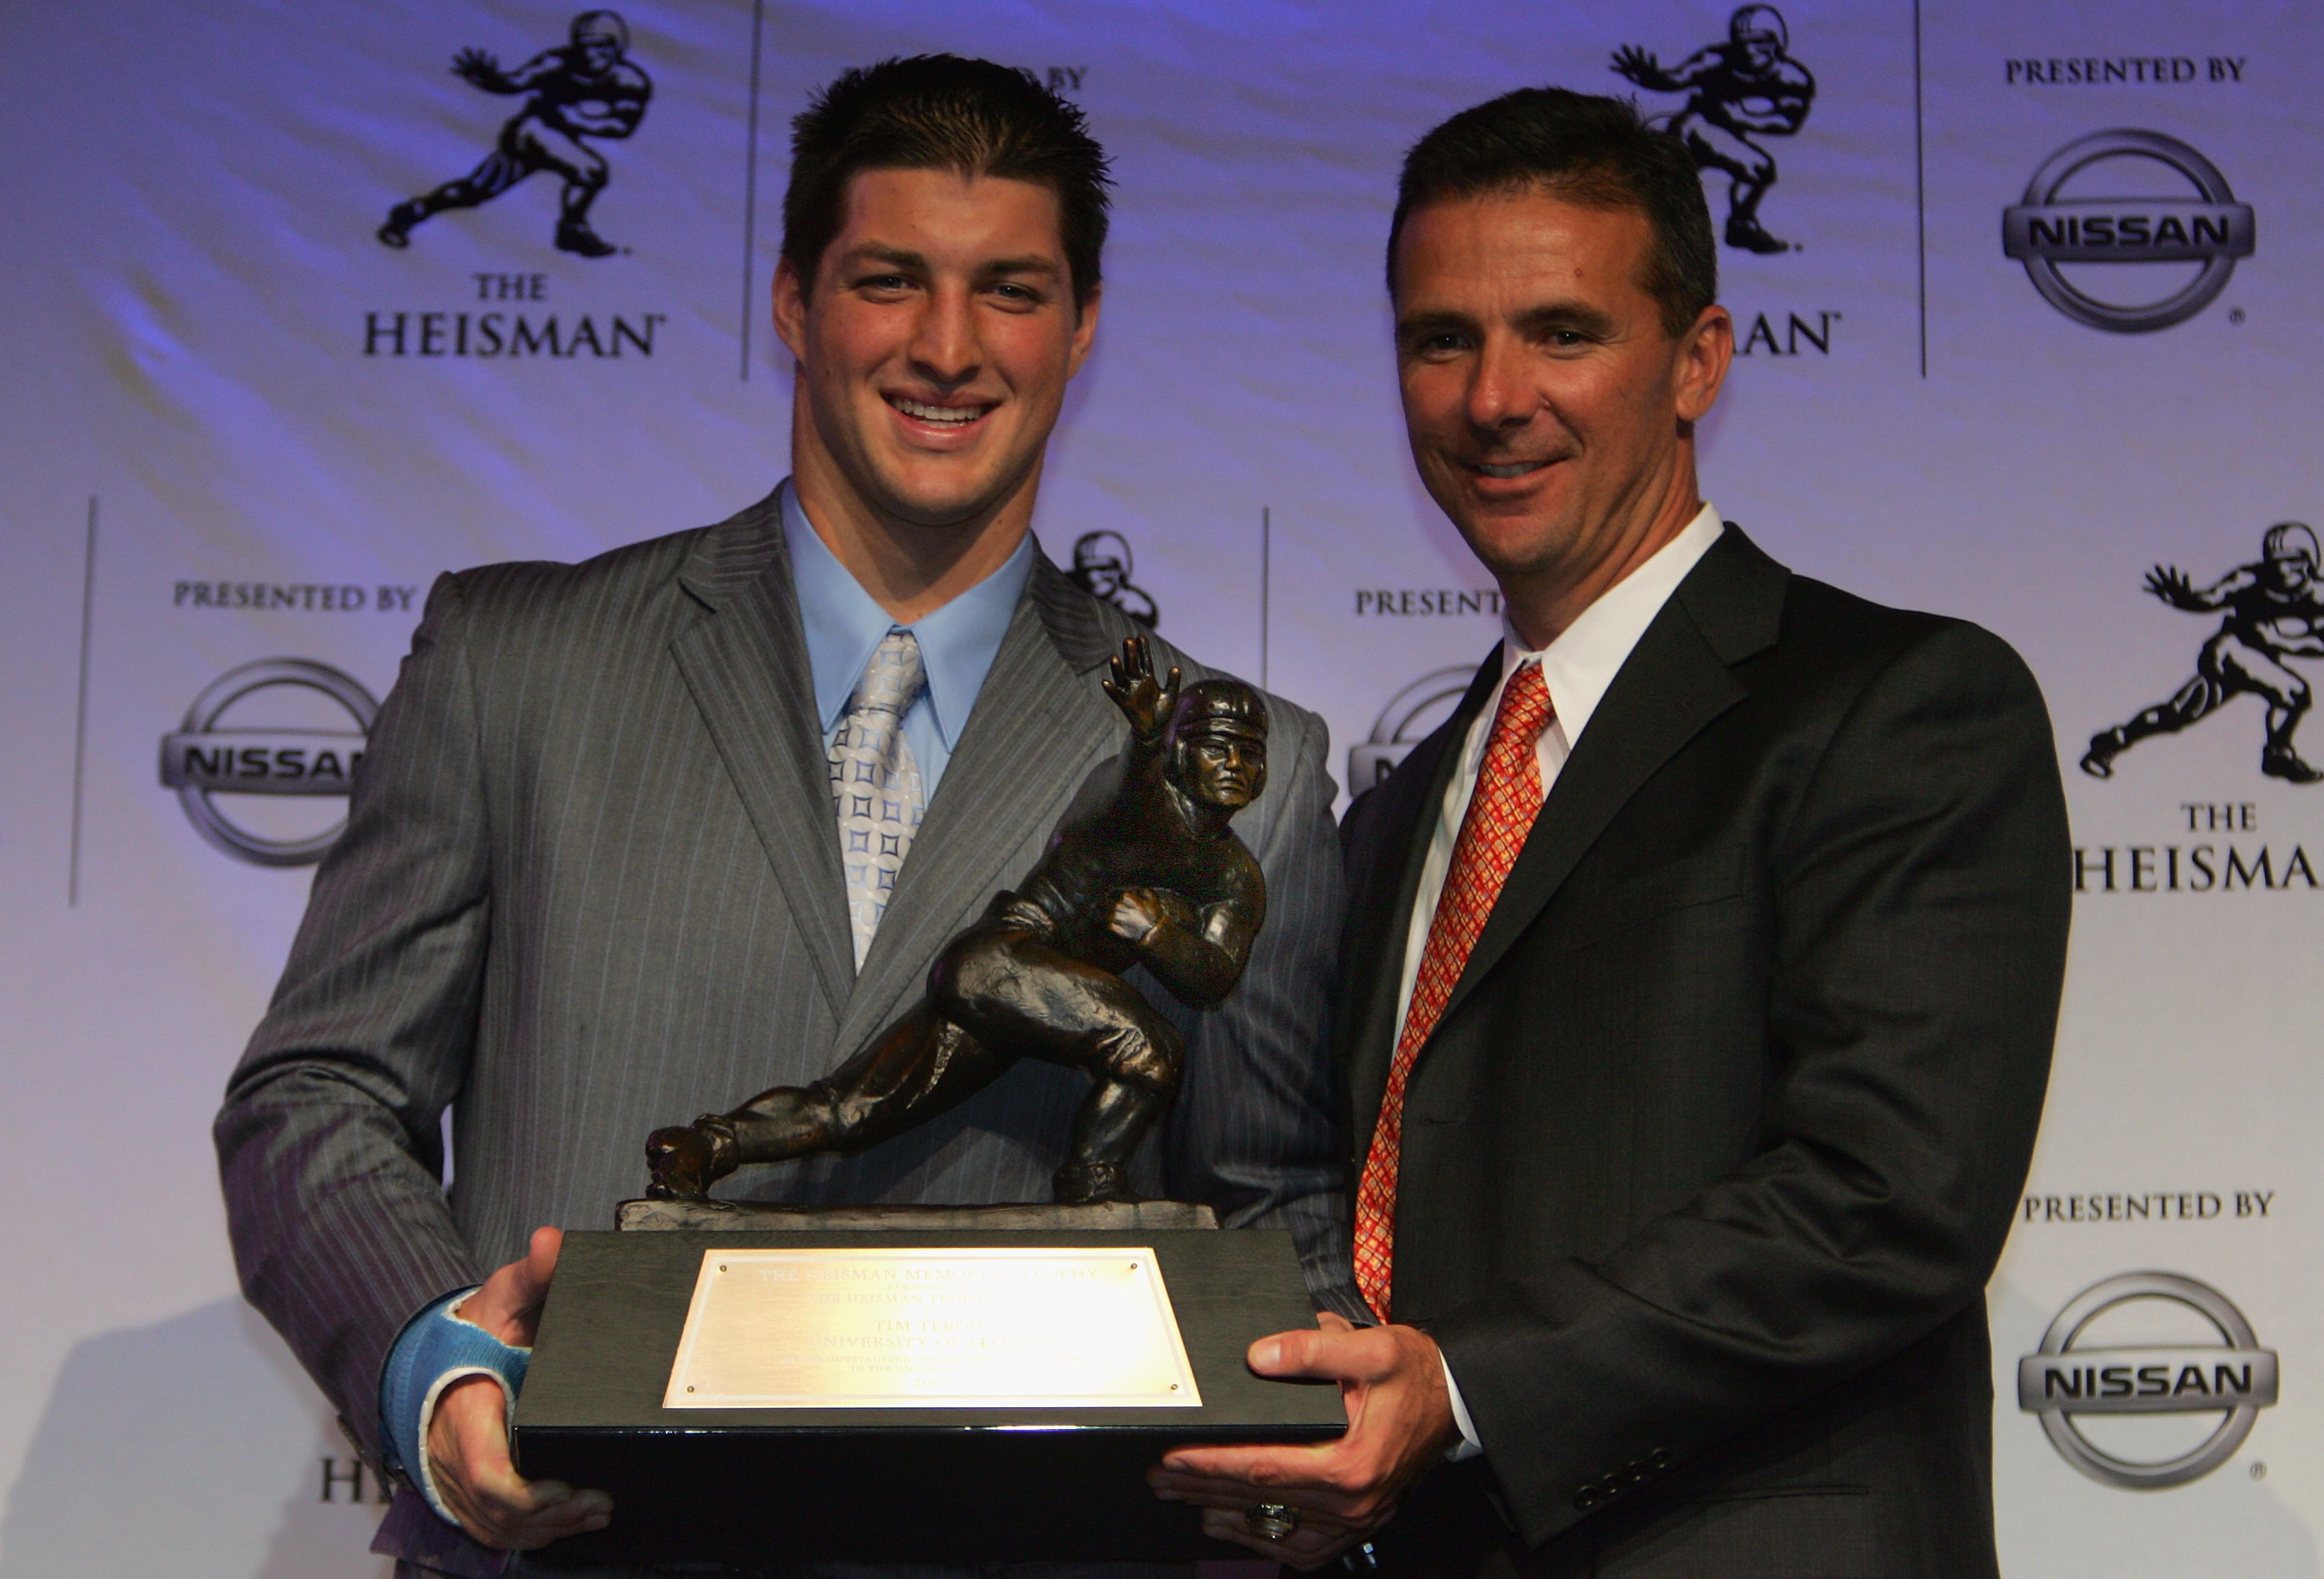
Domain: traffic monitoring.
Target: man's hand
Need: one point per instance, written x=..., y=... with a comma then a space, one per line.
x=467, y=1435
x=1399, y=1423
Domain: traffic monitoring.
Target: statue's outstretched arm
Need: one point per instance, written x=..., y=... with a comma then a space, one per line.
x=1145, y=701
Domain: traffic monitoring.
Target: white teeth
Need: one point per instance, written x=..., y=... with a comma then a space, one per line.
x=1515, y=469
x=955, y=415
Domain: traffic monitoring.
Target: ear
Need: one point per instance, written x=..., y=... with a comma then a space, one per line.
x=1702, y=357
x=790, y=308
x=1084, y=331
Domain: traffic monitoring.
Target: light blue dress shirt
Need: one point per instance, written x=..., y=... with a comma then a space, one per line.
x=844, y=624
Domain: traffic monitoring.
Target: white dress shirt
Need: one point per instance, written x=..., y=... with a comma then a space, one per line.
x=1577, y=667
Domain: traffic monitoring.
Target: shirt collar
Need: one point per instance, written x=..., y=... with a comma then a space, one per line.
x=844, y=625
x=1581, y=662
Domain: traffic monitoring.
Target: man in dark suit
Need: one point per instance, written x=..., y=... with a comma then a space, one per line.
x=1701, y=971
x=600, y=875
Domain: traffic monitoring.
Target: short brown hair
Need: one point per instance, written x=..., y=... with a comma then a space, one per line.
x=1586, y=148
x=943, y=112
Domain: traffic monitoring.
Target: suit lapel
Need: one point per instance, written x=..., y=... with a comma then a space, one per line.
x=745, y=662
x=1380, y=917
x=1038, y=728
x=1675, y=681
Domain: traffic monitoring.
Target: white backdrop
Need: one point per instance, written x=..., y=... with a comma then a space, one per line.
x=206, y=467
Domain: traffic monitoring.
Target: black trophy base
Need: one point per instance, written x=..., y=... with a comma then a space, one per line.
x=755, y=1487
x=766, y=1217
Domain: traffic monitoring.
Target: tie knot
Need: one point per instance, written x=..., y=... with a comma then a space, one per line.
x=1524, y=705
x=891, y=681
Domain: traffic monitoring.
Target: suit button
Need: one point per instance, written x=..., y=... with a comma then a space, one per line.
x=1659, y=1458
x=1586, y=1498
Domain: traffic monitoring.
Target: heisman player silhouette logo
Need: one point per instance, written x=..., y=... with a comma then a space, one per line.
x=1101, y=570
x=587, y=88
x=2274, y=611
x=1747, y=87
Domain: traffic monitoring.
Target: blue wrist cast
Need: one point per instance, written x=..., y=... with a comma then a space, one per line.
x=435, y=1349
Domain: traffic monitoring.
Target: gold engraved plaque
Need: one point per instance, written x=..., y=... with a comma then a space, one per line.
x=931, y=1328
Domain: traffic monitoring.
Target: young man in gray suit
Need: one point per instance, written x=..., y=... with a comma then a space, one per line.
x=601, y=873
x=1701, y=971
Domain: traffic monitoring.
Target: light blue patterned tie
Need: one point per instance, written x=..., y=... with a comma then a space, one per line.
x=875, y=782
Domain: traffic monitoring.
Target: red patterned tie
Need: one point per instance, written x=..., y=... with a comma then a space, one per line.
x=1501, y=815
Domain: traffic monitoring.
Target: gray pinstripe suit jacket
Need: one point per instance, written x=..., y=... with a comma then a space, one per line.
x=591, y=883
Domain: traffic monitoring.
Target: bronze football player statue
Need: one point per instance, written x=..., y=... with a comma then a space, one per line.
x=1155, y=876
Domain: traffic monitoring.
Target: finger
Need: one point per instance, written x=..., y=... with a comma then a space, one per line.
x=1267, y=1468
x=515, y=1528
x=513, y=1513
x=479, y=1482
x=540, y=1267
x=1332, y=1320
x=509, y=1304
x=1323, y=1355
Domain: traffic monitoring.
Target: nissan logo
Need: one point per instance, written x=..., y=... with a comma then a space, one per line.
x=2069, y=1377
x=205, y=758
x=2045, y=230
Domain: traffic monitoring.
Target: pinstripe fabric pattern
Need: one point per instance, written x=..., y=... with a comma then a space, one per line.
x=591, y=883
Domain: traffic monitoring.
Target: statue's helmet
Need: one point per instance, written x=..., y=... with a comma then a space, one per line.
x=603, y=24
x=2289, y=540
x=1225, y=707
x=1759, y=24
x=1093, y=550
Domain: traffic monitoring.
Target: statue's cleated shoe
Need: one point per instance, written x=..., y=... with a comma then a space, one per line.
x=1087, y=1183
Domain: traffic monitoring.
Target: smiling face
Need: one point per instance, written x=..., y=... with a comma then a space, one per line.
x=934, y=345
x=1550, y=414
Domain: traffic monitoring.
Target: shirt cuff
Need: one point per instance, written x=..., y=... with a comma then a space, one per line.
x=435, y=1350
x=1469, y=1448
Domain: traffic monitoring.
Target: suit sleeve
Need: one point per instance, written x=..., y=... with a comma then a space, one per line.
x=1921, y=908
x=328, y=1143
x=1254, y=1130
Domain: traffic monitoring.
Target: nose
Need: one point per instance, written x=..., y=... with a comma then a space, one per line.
x=1500, y=395
x=944, y=349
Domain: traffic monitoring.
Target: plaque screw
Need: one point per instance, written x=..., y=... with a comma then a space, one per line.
x=722, y=1269
x=722, y=1266
x=1174, y=1387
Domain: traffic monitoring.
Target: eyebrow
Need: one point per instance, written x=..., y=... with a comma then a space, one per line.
x=1030, y=264
x=1431, y=323
x=1539, y=320
x=903, y=258
x=1564, y=315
